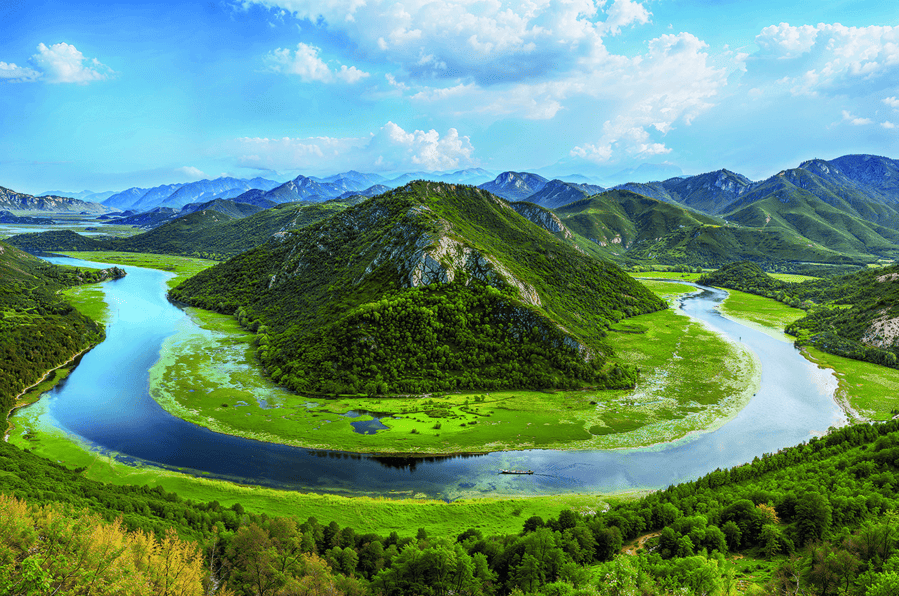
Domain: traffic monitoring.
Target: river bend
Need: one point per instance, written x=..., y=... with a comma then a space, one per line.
x=105, y=404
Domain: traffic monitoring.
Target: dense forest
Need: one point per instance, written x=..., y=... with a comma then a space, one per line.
x=820, y=516
x=38, y=330
x=848, y=315
x=497, y=302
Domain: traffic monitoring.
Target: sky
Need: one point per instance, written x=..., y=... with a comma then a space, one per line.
x=106, y=96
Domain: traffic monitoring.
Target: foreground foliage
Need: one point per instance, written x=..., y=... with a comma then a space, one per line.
x=818, y=517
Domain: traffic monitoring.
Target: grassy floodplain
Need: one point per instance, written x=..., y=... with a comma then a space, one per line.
x=867, y=391
x=182, y=267
x=758, y=312
x=207, y=374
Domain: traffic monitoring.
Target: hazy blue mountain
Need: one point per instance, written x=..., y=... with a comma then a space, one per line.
x=556, y=193
x=358, y=179
x=515, y=186
x=126, y=198
x=206, y=190
x=371, y=191
x=880, y=174
x=11, y=200
x=300, y=188
x=712, y=192
x=83, y=195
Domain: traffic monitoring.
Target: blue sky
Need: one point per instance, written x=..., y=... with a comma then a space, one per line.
x=105, y=96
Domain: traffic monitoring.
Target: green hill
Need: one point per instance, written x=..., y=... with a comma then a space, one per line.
x=427, y=287
x=779, y=203
x=620, y=219
x=206, y=233
x=38, y=331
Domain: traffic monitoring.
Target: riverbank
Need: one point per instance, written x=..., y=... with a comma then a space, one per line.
x=866, y=391
x=32, y=394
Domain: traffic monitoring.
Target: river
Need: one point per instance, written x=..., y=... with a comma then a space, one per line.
x=105, y=404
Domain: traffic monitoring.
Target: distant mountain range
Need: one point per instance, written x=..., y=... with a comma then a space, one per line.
x=844, y=210
x=11, y=200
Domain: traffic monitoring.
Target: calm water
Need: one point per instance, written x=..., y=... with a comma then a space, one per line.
x=106, y=403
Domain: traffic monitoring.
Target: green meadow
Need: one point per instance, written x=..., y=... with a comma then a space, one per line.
x=761, y=313
x=866, y=391
x=182, y=267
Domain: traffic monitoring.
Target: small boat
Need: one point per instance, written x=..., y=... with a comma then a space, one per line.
x=516, y=471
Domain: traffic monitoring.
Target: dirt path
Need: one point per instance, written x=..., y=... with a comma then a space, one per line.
x=632, y=548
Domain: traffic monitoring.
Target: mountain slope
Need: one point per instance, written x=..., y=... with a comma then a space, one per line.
x=791, y=201
x=711, y=193
x=428, y=287
x=618, y=219
x=556, y=193
x=515, y=186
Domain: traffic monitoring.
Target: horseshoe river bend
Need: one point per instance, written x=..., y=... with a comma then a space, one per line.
x=105, y=405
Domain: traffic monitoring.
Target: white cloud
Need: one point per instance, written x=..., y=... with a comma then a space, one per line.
x=305, y=63
x=893, y=102
x=491, y=42
x=391, y=148
x=888, y=125
x=17, y=74
x=828, y=59
x=191, y=172
x=672, y=83
x=623, y=13
x=855, y=120
x=63, y=63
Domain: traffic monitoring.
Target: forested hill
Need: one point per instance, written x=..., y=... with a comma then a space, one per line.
x=428, y=287
x=818, y=518
x=854, y=315
x=38, y=330
x=206, y=233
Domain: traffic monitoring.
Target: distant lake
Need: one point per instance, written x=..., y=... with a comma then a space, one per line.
x=106, y=402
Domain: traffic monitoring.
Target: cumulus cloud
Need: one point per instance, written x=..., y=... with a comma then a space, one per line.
x=828, y=59
x=670, y=85
x=855, y=120
x=623, y=13
x=888, y=125
x=17, y=74
x=306, y=63
x=64, y=63
x=389, y=148
x=893, y=102
x=492, y=42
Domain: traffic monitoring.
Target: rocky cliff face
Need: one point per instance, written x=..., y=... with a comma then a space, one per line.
x=544, y=218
